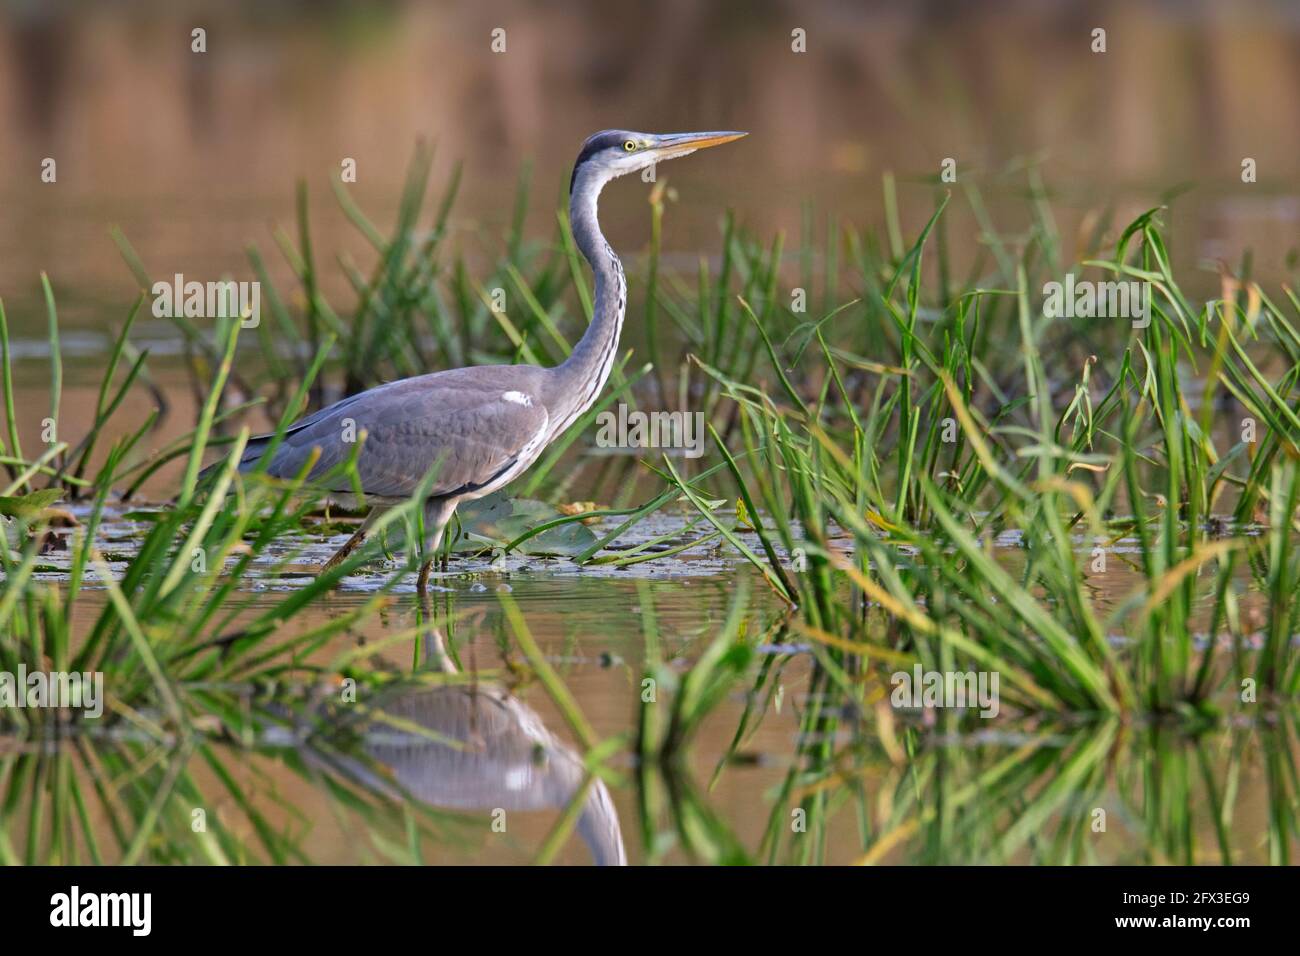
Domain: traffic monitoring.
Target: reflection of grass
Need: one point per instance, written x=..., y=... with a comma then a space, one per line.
x=860, y=462
x=867, y=785
x=1100, y=793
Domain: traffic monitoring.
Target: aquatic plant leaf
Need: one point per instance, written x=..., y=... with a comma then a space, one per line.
x=29, y=506
x=498, y=518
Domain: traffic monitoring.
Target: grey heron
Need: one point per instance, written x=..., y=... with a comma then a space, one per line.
x=480, y=427
x=488, y=750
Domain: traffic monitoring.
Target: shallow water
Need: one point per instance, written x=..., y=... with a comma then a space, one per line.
x=493, y=751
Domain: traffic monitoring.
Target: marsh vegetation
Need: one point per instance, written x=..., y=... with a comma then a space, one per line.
x=905, y=467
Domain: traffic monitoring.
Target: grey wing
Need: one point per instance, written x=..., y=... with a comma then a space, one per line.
x=471, y=432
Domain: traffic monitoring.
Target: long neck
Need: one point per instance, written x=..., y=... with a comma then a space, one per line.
x=582, y=375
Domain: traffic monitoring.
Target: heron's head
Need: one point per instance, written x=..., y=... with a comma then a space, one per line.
x=617, y=152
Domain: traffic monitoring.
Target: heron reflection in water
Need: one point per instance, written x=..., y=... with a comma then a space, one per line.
x=497, y=754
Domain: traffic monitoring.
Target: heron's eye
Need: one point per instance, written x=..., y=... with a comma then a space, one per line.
x=630, y=146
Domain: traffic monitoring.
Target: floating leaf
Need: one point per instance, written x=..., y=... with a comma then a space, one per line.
x=28, y=507
x=498, y=519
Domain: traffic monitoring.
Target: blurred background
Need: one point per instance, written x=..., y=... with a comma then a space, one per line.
x=195, y=156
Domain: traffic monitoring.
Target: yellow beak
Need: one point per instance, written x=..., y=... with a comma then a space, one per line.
x=672, y=145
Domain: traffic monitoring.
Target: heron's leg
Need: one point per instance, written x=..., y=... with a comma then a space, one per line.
x=353, y=542
x=437, y=513
x=435, y=652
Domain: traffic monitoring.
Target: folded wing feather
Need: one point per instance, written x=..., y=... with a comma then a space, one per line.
x=469, y=423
